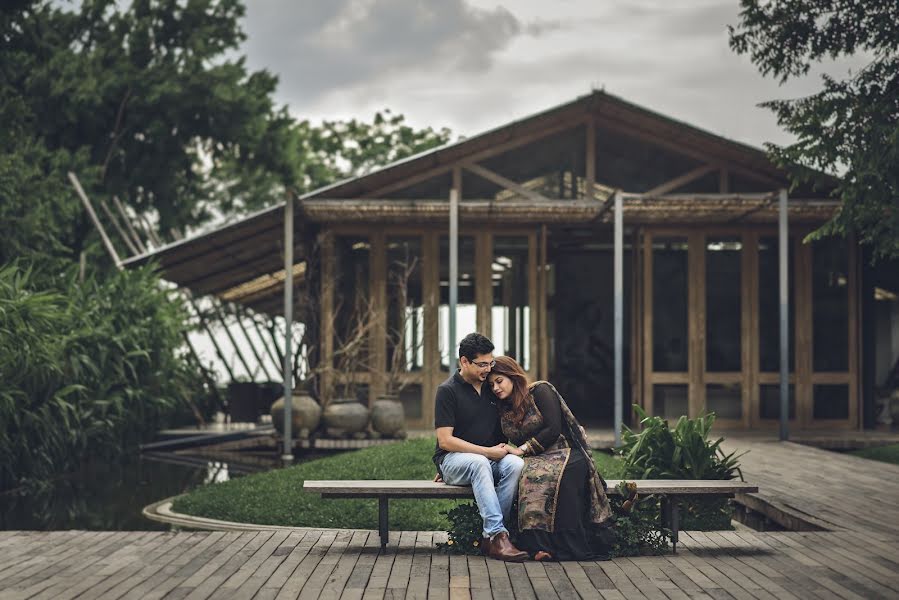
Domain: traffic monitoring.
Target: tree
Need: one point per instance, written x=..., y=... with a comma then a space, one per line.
x=851, y=126
x=339, y=149
x=145, y=102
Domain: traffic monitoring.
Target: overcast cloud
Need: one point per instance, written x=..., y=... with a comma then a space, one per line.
x=471, y=65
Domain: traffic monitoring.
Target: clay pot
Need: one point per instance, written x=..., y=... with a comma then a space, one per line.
x=305, y=414
x=344, y=417
x=388, y=417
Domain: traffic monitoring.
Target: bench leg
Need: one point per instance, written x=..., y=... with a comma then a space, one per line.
x=382, y=521
x=672, y=506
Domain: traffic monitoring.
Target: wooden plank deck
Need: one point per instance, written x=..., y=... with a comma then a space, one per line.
x=73, y=564
x=857, y=559
x=835, y=490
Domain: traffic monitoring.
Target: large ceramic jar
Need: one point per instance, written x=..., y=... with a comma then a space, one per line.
x=305, y=414
x=388, y=417
x=344, y=417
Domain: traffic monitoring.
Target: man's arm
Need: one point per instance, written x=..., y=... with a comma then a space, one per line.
x=447, y=441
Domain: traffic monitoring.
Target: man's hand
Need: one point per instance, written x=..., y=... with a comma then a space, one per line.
x=438, y=478
x=496, y=452
x=514, y=450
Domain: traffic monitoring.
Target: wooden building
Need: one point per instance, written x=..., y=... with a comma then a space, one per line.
x=536, y=269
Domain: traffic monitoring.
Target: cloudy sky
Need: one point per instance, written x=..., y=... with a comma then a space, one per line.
x=471, y=65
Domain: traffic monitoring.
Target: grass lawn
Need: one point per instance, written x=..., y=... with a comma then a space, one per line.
x=888, y=454
x=277, y=498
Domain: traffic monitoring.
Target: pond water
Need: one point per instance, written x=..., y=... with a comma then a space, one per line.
x=110, y=497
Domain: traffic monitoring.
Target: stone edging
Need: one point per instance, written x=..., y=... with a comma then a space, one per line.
x=162, y=512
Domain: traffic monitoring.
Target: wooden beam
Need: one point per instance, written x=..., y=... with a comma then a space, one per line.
x=121, y=208
x=504, y=182
x=118, y=228
x=474, y=157
x=686, y=150
x=673, y=184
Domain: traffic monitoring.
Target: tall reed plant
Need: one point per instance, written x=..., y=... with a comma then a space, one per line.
x=87, y=368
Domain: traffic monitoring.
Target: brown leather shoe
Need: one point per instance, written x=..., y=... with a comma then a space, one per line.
x=501, y=548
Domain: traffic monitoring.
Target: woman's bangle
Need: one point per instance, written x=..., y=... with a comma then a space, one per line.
x=526, y=449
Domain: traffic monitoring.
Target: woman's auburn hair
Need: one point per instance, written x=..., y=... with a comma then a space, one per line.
x=509, y=368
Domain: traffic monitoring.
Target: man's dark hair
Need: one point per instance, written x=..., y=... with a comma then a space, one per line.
x=474, y=344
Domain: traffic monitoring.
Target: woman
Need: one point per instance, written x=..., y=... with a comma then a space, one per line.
x=563, y=511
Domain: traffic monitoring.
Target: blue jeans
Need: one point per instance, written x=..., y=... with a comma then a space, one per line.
x=494, y=484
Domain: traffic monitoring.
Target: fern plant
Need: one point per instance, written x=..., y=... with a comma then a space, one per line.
x=681, y=452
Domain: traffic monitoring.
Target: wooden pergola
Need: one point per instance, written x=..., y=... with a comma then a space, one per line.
x=596, y=163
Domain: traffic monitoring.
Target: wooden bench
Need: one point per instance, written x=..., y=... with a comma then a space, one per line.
x=671, y=491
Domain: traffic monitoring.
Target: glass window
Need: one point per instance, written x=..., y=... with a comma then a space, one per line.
x=669, y=304
x=405, y=313
x=769, y=305
x=724, y=399
x=510, y=313
x=466, y=307
x=769, y=401
x=670, y=401
x=723, y=294
x=830, y=305
x=831, y=401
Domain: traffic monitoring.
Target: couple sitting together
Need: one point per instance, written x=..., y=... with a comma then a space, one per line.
x=508, y=438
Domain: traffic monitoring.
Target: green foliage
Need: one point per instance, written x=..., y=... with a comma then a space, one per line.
x=851, y=125
x=86, y=369
x=466, y=527
x=684, y=452
x=277, y=497
x=637, y=531
x=340, y=149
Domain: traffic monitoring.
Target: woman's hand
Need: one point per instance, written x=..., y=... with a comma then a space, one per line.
x=514, y=450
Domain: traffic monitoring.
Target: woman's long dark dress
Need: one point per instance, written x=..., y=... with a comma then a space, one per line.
x=573, y=536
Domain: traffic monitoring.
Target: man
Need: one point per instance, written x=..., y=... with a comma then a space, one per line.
x=470, y=448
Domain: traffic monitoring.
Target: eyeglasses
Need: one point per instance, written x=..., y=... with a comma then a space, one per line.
x=484, y=365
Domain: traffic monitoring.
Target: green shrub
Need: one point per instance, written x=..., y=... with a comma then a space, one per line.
x=87, y=368
x=682, y=452
x=635, y=532
x=465, y=530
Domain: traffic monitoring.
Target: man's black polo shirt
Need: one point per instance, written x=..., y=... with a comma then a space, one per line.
x=473, y=418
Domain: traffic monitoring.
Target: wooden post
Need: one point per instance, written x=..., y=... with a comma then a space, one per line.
x=431, y=288
x=90, y=211
x=483, y=283
x=377, y=347
x=327, y=314
x=118, y=228
x=121, y=208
